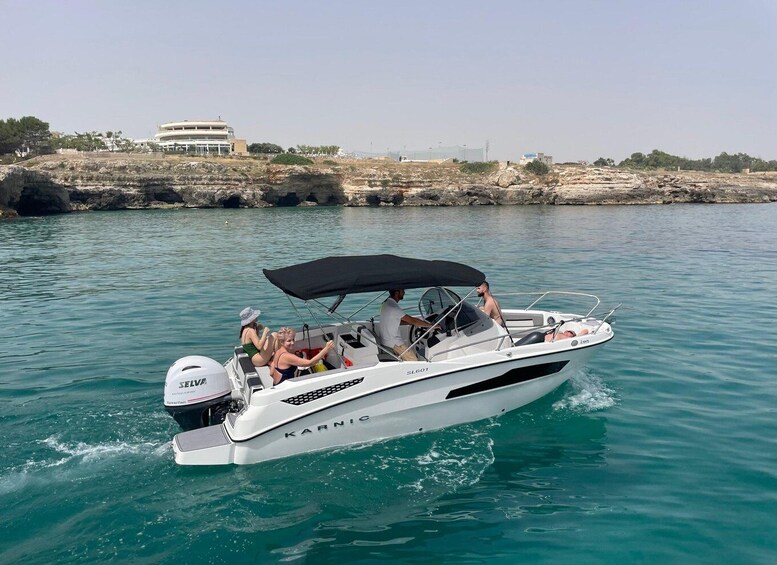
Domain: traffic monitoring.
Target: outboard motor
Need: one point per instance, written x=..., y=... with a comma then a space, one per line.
x=198, y=392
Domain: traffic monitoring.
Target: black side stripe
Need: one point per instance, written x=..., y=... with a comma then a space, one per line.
x=511, y=377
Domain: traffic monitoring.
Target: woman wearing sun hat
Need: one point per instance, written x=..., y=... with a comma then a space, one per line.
x=259, y=349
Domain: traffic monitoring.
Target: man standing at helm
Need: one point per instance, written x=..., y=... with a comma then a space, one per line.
x=490, y=305
x=391, y=317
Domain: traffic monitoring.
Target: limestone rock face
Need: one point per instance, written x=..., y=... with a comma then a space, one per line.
x=12, y=179
x=296, y=186
x=29, y=192
x=62, y=183
x=507, y=177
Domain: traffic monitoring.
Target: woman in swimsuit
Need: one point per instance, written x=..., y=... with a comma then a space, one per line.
x=259, y=349
x=285, y=363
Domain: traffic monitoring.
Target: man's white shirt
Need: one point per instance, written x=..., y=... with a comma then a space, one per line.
x=391, y=315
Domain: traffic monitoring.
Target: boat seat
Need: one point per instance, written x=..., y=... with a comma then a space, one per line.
x=241, y=377
x=529, y=339
x=255, y=377
x=522, y=321
x=367, y=335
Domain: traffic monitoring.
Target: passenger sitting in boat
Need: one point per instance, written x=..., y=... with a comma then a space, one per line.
x=391, y=316
x=554, y=335
x=259, y=349
x=284, y=364
x=490, y=305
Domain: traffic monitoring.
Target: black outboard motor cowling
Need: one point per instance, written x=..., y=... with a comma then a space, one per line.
x=198, y=392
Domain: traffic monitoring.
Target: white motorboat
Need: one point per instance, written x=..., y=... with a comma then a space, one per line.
x=473, y=369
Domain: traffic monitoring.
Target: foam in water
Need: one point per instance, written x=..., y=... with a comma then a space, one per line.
x=588, y=394
x=78, y=452
x=89, y=453
x=454, y=462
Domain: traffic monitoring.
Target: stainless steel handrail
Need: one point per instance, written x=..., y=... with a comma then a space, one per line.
x=523, y=332
x=498, y=347
x=547, y=293
x=457, y=308
x=470, y=344
x=610, y=313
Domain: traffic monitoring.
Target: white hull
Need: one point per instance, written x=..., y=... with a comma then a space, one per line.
x=391, y=400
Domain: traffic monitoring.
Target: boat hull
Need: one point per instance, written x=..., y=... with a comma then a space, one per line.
x=382, y=407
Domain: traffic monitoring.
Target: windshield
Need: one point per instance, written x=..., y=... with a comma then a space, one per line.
x=435, y=300
x=466, y=315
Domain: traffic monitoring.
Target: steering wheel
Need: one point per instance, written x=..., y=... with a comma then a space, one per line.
x=440, y=320
x=416, y=332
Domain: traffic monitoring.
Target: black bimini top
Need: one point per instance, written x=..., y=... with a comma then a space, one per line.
x=337, y=276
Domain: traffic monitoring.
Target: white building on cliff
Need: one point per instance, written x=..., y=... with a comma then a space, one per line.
x=541, y=157
x=201, y=137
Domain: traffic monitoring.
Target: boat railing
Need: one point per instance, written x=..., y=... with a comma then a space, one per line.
x=551, y=293
x=525, y=331
x=500, y=338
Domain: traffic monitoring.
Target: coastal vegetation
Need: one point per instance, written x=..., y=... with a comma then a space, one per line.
x=479, y=167
x=327, y=150
x=264, y=149
x=94, y=141
x=537, y=167
x=724, y=163
x=290, y=159
x=274, y=149
x=25, y=136
x=30, y=137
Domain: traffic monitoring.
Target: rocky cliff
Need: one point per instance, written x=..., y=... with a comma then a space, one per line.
x=64, y=183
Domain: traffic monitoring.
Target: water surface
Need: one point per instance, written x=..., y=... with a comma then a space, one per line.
x=662, y=450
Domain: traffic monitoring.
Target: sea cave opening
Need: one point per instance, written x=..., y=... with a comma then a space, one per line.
x=291, y=199
x=231, y=202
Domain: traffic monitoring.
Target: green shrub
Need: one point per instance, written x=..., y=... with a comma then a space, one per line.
x=290, y=159
x=329, y=162
x=8, y=159
x=265, y=148
x=537, y=167
x=477, y=168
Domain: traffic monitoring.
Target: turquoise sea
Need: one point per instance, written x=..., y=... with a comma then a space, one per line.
x=663, y=450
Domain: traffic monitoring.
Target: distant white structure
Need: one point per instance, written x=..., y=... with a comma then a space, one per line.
x=541, y=157
x=201, y=137
x=439, y=154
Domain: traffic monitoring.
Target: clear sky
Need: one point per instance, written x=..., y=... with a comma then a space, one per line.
x=574, y=79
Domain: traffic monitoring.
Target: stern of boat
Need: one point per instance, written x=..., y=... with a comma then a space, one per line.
x=204, y=446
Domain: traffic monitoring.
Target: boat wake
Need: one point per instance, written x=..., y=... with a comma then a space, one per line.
x=588, y=394
x=67, y=457
x=455, y=462
x=88, y=453
x=375, y=484
x=441, y=461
